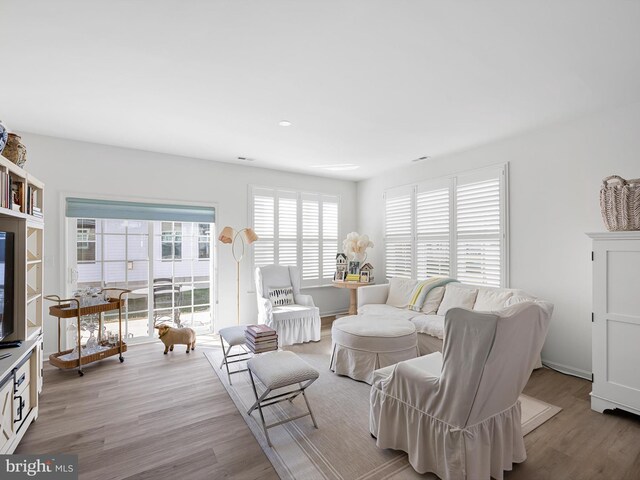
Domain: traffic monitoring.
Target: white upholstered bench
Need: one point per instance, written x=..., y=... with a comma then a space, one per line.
x=277, y=370
x=365, y=343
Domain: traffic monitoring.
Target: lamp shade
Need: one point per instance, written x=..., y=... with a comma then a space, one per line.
x=226, y=236
x=250, y=235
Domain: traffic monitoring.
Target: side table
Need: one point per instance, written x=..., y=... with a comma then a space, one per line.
x=353, y=289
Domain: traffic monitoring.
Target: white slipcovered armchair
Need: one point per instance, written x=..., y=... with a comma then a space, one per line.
x=297, y=323
x=457, y=413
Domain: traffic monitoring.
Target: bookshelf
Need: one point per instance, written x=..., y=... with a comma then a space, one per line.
x=21, y=202
x=21, y=212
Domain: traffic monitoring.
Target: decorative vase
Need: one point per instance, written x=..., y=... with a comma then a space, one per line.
x=359, y=257
x=4, y=135
x=15, y=151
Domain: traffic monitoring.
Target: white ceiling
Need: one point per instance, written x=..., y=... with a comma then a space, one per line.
x=372, y=83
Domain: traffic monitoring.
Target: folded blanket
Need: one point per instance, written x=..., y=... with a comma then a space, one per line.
x=422, y=289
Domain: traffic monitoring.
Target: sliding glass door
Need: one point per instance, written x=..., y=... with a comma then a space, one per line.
x=167, y=265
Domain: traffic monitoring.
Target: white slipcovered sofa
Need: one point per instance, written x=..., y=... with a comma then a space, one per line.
x=392, y=300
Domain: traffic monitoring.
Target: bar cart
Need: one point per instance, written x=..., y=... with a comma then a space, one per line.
x=69, y=308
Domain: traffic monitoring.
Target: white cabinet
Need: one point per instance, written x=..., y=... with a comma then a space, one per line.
x=616, y=321
x=18, y=393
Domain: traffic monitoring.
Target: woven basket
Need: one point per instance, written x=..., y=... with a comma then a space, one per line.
x=620, y=203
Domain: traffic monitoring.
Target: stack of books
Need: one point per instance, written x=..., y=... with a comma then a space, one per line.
x=353, y=277
x=261, y=338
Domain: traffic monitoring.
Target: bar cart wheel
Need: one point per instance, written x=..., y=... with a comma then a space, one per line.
x=121, y=359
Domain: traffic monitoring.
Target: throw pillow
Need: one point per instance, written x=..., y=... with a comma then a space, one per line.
x=455, y=296
x=280, y=296
x=400, y=292
x=489, y=300
x=432, y=302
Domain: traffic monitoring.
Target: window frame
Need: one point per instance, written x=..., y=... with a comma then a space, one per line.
x=86, y=231
x=174, y=241
x=500, y=171
x=204, y=240
x=300, y=196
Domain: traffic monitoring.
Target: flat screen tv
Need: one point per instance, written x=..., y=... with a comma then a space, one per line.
x=6, y=288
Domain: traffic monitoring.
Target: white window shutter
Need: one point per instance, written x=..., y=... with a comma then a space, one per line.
x=479, y=232
x=398, y=243
x=433, y=218
x=264, y=226
x=329, y=237
x=287, y=228
x=310, y=238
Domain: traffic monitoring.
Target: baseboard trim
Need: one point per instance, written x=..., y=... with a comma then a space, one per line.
x=333, y=313
x=576, y=372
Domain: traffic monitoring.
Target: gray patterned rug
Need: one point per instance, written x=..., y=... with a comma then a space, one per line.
x=341, y=448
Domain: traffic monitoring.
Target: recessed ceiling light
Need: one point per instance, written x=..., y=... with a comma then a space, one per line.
x=338, y=167
x=420, y=159
x=245, y=159
x=284, y=123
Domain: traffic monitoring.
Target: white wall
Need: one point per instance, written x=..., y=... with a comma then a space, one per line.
x=555, y=177
x=69, y=167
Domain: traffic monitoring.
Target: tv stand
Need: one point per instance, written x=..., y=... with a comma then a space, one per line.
x=19, y=393
x=11, y=344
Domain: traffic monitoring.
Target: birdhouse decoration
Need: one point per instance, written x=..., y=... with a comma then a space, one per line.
x=341, y=262
x=366, y=273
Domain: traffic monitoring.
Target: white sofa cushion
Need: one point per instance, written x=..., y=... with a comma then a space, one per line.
x=491, y=300
x=388, y=311
x=432, y=302
x=400, y=292
x=430, y=324
x=456, y=296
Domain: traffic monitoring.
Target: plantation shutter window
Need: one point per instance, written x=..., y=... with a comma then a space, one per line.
x=455, y=226
x=398, y=232
x=296, y=228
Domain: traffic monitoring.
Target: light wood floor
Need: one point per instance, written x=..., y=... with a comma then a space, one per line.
x=155, y=416
x=169, y=417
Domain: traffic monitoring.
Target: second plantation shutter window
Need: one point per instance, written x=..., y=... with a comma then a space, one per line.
x=432, y=232
x=398, y=232
x=453, y=227
x=479, y=233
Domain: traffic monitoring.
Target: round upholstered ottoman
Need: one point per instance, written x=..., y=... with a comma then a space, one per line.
x=365, y=343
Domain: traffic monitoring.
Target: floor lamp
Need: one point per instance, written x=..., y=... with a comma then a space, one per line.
x=243, y=237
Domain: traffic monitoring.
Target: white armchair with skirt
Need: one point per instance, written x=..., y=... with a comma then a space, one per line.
x=457, y=413
x=297, y=322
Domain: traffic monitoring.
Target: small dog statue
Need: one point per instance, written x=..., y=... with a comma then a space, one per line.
x=176, y=336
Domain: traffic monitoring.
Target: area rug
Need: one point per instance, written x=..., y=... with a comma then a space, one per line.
x=341, y=448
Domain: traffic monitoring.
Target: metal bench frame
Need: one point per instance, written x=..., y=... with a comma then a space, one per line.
x=265, y=400
x=246, y=354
